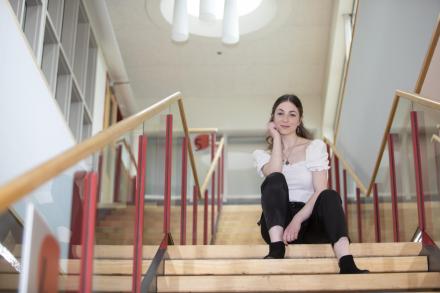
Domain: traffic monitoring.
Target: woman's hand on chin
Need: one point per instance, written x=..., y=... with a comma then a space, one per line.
x=272, y=129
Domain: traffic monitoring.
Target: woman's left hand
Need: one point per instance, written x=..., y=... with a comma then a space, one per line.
x=292, y=230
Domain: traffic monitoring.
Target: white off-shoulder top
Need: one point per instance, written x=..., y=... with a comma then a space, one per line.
x=299, y=175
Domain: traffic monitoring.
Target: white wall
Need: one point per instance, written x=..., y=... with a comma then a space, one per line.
x=390, y=42
x=33, y=128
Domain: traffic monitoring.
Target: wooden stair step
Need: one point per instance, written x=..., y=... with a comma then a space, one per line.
x=106, y=266
x=291, y=266
x=71, y=283
x=297, y=283
x=119, y=251
x=292, y=251
x=100, y=266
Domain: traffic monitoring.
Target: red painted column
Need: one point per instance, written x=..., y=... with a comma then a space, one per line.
x=117, y=182
x=376, y=213
x=344, y=179
x=139, y=214
x=133, y=190
x=168, y=167
x=394, y=208
x=338, y=186
x=418, y=170
x=213, y=140
x=219, y=167
x=183, y=191
x=222, y=177
x=359, y=215
x=195, y=205
x=205, y=219
x=329, y=184
x=88, y=232
x=100, y=160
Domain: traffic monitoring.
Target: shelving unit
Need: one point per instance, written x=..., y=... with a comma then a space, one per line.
x=76, y=112
x=59, y=33
x=81, y=48
x=64, y=84
x=91, y=72
x=49, y=61
x=55, y=13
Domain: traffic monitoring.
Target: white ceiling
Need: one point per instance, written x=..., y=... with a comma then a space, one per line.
x=287, y=56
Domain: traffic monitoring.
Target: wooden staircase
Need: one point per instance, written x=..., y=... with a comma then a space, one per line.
x=240, y=268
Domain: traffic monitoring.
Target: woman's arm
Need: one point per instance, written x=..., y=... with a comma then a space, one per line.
x=275, y=163
x=319, y=179
x=319, y=184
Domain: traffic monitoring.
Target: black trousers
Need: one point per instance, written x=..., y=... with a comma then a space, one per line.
x=326, y=224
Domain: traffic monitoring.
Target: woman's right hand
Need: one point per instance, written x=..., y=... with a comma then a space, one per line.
x=273, y=131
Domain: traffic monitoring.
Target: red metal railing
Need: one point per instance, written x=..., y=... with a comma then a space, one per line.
x=393, y=187
x=376, y=213
x=139, y=214
x=359, y=214
x=426, y=239
x=88, y=231
x=183, y=191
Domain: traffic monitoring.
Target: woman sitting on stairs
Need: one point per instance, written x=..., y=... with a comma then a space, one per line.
x=297, y=207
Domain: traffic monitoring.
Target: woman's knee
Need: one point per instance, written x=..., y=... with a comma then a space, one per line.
x=275, y=180
x=330, y=196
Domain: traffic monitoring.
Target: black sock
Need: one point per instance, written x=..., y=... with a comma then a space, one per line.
x=276, y=250
x=347, y=266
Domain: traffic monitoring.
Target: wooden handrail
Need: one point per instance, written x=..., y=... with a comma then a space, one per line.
x=347, y=166
x=190, y=150
x=214, y=164
x=418, y=99
x=428, y=58
x=22, y=185
x=130, y=151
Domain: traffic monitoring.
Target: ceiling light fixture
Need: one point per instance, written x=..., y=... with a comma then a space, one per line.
x=180, y=21
x=230, y=34
x=224, y=19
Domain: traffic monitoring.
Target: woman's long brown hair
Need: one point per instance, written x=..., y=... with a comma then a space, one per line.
x=301, y=131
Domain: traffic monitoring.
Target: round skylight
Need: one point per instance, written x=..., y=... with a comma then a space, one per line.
x=254, y=15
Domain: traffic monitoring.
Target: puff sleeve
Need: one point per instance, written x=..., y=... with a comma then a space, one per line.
x=316, y=156
x=261, y=158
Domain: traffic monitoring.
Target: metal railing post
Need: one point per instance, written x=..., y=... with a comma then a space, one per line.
x=376, y=213
x=205, y=219
x=168, y=168
x=394, y=208
x=418, y=170
x=88, y=231
x=195, y=204
x=359, y=215
x=117, y=183
x=344, y=180
x=183, y=191
x=337, y=183
x=139, y=215
x=213, y=139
